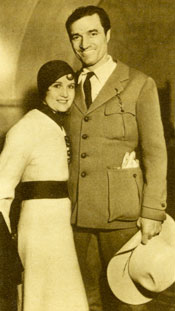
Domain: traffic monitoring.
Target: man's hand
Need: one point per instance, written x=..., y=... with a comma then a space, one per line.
x=149, y=228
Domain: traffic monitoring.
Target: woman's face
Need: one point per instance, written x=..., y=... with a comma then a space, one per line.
x=61, y=93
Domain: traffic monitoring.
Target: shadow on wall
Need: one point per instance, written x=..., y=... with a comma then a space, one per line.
x=171, y=181
x=165, y=106
x=165, y=101
x=31, y=99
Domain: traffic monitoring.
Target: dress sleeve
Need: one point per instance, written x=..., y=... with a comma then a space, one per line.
x=154, y=153
x=13, y=160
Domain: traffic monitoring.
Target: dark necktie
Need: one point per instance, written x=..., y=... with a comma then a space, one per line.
x=87, y=89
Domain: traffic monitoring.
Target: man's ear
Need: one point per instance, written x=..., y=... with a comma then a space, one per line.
x=108, y=35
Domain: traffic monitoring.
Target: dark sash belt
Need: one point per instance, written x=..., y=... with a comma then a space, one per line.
x=43, y=190
x=29, y=190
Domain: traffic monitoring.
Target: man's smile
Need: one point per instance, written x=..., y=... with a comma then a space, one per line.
x=62, y=101
x=87, y=52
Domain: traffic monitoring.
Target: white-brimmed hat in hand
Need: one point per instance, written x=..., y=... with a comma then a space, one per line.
x=138, y=271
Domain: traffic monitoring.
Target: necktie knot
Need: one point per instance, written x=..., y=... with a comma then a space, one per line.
x=87, y=89
x=89, y=74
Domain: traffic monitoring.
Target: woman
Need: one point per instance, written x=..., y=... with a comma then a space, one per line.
x=36, y=154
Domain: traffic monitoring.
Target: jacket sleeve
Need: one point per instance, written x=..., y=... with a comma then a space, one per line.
x=154, y=155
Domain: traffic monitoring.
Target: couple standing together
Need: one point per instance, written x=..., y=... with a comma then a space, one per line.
x=115, y=114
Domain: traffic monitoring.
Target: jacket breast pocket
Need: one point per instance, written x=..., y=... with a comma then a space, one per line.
x=125, y=193
x=119, y=122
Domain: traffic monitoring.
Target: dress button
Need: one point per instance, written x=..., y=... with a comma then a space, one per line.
x=84, y=136
x=83, y=174
x=14, y=236
x=67, y=139
x=83, y=155
x=86, y=118
x=134, y=175
x=163, y=205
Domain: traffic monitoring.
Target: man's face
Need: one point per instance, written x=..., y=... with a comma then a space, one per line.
x=89, y=40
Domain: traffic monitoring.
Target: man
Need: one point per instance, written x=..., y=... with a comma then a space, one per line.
x=116, y=114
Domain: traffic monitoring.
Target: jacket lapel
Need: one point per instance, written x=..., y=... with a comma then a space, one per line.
x=113, y=85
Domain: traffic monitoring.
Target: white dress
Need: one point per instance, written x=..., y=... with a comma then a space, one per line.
x=35, y=150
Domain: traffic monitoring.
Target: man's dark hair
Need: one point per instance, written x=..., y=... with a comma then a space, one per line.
x=88, y=11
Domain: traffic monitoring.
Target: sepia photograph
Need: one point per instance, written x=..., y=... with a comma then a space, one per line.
x=87, y=155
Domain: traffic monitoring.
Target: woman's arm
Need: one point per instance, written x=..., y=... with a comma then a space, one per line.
x=13, y=160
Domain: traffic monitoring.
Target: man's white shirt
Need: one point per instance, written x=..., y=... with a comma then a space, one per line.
x=101, y=75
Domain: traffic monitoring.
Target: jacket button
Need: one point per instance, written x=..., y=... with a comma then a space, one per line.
x=84, y=136
x=86, y=118
x=134, y=175
x=83, y=155
x=83, y=174
x=163, y=205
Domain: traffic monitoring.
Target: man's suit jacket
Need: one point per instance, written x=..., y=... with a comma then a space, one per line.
x=124, y=117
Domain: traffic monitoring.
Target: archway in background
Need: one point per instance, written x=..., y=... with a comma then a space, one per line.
x=45, y=39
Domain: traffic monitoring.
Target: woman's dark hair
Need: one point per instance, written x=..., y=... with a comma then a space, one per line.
x=88, y=11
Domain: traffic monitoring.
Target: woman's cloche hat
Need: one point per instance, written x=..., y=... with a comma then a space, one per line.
x=50, y=72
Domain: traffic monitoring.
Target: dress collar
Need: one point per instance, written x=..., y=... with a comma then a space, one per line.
x=58, y=117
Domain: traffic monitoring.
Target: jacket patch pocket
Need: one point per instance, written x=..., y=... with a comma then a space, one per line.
x=119, y=122
x=125, y=193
